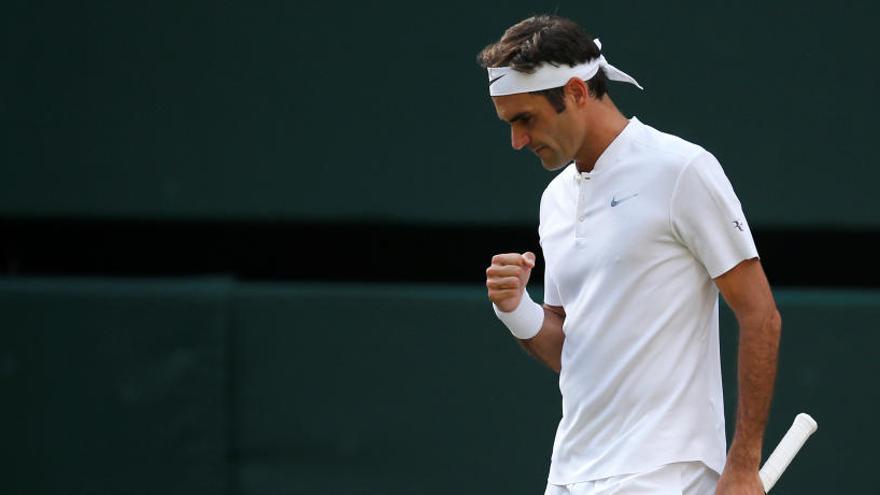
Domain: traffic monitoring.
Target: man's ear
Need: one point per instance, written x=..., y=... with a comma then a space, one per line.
x=577, y=90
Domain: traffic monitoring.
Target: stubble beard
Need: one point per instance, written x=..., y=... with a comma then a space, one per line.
x=556, y=164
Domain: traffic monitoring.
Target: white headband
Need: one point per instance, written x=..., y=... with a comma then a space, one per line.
x=508, y=81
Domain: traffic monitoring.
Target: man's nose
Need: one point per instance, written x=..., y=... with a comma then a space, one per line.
x=518, y=139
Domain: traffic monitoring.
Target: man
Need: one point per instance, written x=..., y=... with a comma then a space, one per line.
x=639, y=235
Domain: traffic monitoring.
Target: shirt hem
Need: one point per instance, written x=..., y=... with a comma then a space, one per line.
x=601, y=475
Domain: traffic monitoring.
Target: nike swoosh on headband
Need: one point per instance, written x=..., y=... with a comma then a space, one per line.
x=497, y=78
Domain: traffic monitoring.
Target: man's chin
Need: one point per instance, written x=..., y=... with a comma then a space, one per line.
x=554, y=165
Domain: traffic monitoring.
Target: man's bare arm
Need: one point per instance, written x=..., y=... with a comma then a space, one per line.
x=506, y=280
x=747, y=292
x=547, y=345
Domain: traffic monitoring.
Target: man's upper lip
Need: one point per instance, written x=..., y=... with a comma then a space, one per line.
x=538, y=148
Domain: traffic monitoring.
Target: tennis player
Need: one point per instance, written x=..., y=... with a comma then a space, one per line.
x=640, y=232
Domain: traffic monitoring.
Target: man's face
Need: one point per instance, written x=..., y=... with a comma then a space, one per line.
x=535, y=125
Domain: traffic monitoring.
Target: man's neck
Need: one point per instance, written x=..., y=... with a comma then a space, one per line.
x=607, y=123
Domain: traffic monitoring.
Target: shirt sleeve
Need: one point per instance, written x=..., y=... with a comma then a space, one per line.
x=551, y=292
x=707, y=217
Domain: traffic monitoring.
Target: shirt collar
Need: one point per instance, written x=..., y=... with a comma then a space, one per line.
x=614, y=151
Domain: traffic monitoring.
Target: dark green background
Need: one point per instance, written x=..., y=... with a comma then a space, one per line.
x=212, y=386
x=377, y=110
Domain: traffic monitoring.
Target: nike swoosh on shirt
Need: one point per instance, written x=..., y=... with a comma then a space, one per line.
x=615, y=201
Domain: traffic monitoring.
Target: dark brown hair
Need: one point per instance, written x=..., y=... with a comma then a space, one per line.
x=546, y=38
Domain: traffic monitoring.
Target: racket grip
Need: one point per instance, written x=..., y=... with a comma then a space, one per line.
x=788, y=447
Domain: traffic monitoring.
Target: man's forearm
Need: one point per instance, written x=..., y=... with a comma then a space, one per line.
x=756, y=370
x=546, y=346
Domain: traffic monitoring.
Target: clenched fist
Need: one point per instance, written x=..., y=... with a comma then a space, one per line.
x=507, y=277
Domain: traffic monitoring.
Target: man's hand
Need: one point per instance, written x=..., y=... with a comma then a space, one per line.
x=739, y=481
x=507, y=277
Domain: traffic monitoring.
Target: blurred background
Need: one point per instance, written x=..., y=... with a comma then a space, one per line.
x=242, y=245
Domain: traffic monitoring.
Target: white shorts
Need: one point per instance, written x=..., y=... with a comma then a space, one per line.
x=680, y=478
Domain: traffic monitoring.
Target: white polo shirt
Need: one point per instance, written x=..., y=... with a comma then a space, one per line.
x=631, y=249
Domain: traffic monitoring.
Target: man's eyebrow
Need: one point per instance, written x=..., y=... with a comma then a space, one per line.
x=519, y=116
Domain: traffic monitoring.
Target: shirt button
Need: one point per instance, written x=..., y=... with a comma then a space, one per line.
x=582, y=218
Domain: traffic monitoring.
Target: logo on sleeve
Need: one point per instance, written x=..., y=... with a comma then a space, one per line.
x=738, y=224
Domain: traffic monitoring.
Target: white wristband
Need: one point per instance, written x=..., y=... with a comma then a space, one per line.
x=526, y=320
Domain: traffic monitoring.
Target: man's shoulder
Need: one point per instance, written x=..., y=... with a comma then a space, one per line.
x=669, y=149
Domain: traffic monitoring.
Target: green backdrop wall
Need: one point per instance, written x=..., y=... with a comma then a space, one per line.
x=211, y=386
x=319, y=111
x=114, y=386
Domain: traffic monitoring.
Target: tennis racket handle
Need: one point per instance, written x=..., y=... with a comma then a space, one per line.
x=788, y=447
